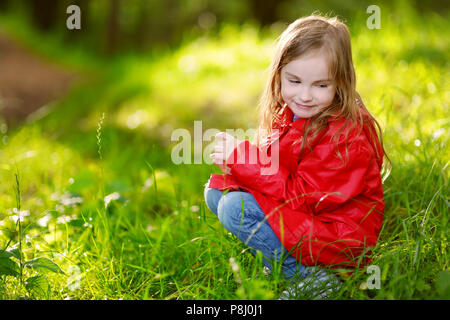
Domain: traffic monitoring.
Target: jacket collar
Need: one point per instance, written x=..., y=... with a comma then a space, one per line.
x=287, y=116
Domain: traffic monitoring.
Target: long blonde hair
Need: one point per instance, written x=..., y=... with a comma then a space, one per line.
x=304, y=35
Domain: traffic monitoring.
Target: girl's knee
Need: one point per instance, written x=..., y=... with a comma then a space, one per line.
x=228, y=211
x=234, y=211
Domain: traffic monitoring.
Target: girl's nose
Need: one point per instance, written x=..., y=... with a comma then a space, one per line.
x=305, y=94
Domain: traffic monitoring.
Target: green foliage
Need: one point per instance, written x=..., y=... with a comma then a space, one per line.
x=38, y=285
x=7, y=266
x=43, y=265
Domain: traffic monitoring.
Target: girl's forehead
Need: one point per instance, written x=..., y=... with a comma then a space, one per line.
x=312, y=66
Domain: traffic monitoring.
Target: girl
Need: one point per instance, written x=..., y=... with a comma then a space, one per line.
x=324, y=205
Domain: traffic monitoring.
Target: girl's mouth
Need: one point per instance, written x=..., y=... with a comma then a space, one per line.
x=303, y=106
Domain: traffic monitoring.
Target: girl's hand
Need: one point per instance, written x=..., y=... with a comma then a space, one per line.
x=226, y=144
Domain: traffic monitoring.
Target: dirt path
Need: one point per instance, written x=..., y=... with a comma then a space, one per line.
x=27, y=81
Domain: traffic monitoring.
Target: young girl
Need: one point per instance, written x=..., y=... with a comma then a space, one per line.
x=324, y=205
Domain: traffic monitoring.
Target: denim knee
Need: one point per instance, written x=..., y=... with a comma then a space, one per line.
x=230, y=209
x=225, y=210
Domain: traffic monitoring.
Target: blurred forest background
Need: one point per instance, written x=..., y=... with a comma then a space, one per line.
x=112, y=26
x=86, y=118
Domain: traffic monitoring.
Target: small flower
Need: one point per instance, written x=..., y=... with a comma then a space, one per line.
x=234, y=265
x=439, y=132
x=60, y=208
x=43, y=222
x=19, y=215
x=68, y=199
x=63, y=219
x=110, y=197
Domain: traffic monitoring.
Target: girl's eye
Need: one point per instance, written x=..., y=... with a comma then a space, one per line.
x=294, y=81
x=322, y=85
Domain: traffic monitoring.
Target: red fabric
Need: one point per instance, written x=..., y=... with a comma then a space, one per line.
x=327, y=213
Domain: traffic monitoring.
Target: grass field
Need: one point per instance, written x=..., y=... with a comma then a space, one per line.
x=92, y=206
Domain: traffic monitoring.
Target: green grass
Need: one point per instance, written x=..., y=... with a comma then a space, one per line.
x=156, y=239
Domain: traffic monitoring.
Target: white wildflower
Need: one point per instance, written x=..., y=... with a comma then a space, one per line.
x=110, y=197
x=19, y=215
x=43, y=222
x=68, y=200
x=63, y=219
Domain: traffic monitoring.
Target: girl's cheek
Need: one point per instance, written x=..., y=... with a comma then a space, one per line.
x=325, y=95
x=288, y=92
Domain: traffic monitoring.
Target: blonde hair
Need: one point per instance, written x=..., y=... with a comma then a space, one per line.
x=306, y=34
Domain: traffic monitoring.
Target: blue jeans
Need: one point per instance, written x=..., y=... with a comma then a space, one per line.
x=252, y=228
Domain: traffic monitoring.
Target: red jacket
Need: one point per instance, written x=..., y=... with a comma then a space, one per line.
x=327, y=213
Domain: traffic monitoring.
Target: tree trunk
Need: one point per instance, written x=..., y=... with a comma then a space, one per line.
x=113, y=28
x=44, y=13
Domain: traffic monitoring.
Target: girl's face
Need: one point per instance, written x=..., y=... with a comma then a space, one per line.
x=306, y=86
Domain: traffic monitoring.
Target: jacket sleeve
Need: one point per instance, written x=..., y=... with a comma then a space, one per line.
x=322, y=181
